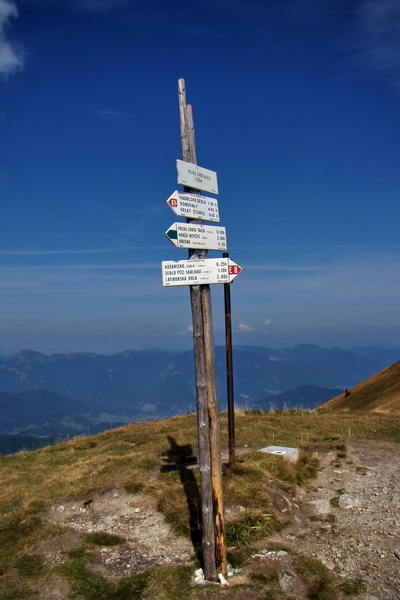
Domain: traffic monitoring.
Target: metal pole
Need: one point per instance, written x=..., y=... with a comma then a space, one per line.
x=229, y=371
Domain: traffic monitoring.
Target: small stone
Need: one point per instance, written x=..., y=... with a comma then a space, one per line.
x=322, y=507
x=198, y=577
x=286, y=581
x=346, y=501
x=222, y=580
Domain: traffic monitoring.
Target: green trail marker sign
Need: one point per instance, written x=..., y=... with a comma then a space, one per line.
x=192, y=235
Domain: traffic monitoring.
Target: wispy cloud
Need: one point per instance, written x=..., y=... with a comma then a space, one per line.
x=109, y=114
x=80, y=267
x=66, y=252
x=98, y=5
x=11, y=54
x=376, y=41
x=271, y=267
x=349, y=279
x=50, y=252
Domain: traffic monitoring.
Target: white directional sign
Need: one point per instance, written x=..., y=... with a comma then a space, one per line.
x=193, y=206
x=197, y=177
x=199, y=272
x=192, y=235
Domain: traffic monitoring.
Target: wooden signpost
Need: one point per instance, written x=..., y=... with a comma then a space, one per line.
x=198, y=272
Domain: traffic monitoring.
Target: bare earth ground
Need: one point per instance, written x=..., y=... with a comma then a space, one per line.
x=358, y=542
x=361, y=541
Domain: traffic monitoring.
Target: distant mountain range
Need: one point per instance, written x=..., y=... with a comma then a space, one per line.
x=68, y=394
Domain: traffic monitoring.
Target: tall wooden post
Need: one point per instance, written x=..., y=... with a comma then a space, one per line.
x=213, y=529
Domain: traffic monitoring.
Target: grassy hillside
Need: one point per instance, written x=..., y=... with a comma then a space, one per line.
x=381, y=392
x=141, y=460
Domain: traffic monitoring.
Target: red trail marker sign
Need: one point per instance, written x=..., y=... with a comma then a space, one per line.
x=194, y=206
x=199, y=272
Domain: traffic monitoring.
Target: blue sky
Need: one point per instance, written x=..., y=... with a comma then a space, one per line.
x=296, y=107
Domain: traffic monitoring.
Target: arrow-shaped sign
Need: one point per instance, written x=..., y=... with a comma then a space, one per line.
x=199, y=272
x=193, y=235
x=194, y=206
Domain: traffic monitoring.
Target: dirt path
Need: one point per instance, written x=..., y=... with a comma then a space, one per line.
x=348, y=517
x=149, y=541
x=353, y=510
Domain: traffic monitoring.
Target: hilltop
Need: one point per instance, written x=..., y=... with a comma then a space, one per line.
x=116, y=516
x=381, y=392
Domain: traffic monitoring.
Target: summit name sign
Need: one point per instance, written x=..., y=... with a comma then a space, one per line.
x=196, y=177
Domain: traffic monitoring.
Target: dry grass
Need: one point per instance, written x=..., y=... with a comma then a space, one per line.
x=381, y=393
x=142, y=457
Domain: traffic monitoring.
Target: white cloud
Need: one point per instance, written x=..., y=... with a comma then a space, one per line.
x=7, y=10
x=267, y=322
x=242, y=328
x=11, y=55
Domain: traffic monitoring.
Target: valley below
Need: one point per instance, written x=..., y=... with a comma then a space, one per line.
x=45, y=398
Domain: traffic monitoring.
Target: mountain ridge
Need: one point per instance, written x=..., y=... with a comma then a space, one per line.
x=381, y=393
x=138, y=385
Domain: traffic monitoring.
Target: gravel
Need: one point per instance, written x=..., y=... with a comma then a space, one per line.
x=354, y=517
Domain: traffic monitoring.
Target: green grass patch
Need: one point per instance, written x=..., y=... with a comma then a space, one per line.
x=249, y=528
x=322, y=584
x=353, y=588
x=134, y=483
x=163, y=583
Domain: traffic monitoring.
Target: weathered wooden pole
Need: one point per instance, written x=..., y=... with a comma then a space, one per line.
x=213, y=530
x=229, y=371
x=208, y=535
x=215, y=438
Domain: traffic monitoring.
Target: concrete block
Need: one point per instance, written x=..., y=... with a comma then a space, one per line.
x=291, y=454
